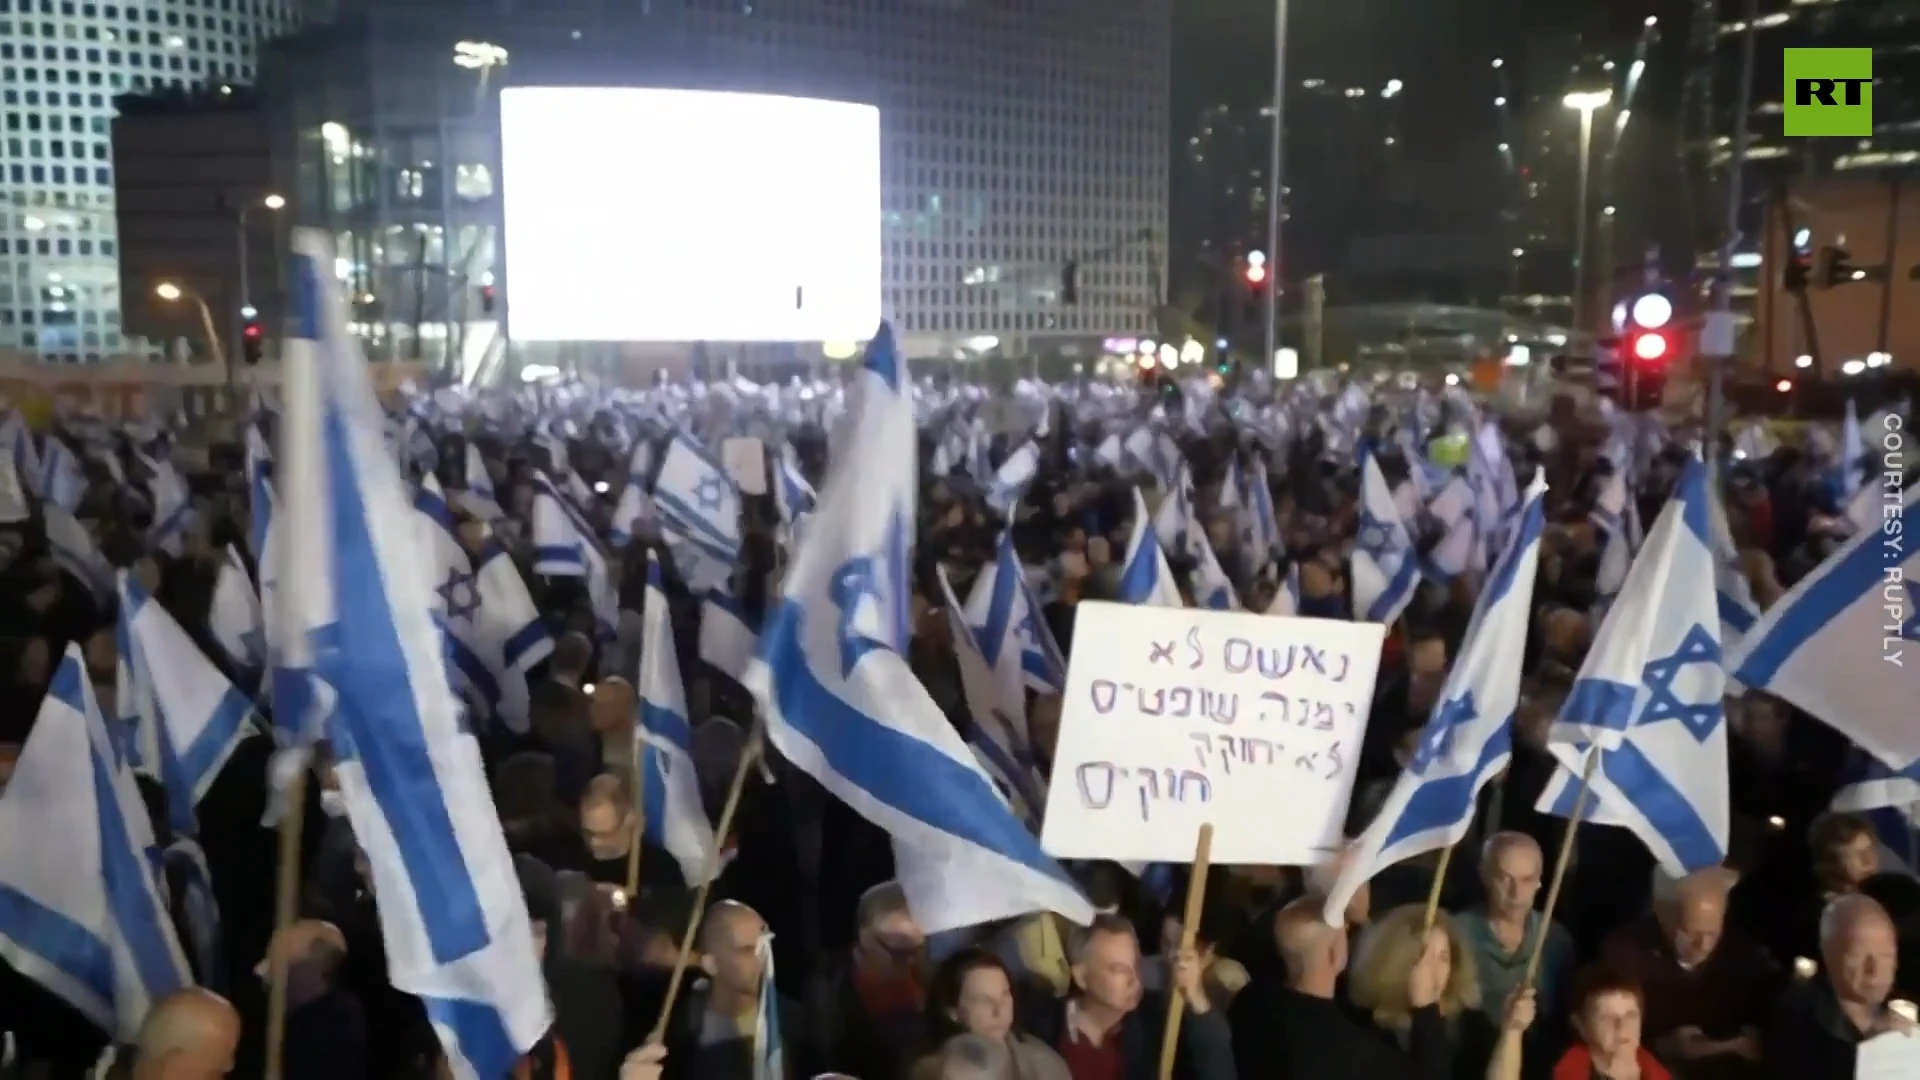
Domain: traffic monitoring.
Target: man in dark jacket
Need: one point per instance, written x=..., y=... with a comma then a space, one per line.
x=1109, y=1026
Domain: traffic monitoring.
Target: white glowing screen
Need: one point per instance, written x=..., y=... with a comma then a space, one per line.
x=684, y=215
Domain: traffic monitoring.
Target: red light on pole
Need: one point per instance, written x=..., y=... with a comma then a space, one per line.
x=1650, y=347
x=1256, y=274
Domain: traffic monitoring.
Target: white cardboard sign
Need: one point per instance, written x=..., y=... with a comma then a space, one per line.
x=746, y=461
x=1179, y=717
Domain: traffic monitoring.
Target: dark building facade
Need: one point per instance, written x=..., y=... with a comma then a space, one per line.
x=195, y=209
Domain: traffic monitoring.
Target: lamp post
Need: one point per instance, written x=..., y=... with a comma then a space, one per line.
x=268, y=202
x=172, y=293
x=1585, y=103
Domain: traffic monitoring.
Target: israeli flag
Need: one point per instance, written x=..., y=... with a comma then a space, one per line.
x=234, y=616
x=1015, y=475
x=188, y=716
x=1617, y=514
x=1286, y=600
x=1890, y=801
x=1469, y=738
x=1385, y=568
x=842, y=704
x=72, y=546
x=451, y=912
x=1145, y=577
x=1836, y=644
x=997, y=734
x=1648, y=699
x=478, y=498
x=792, y=495
x=1012, y=631
x=672, y=814
x=494, y=632
x=727, y=637
x=172, y=505
x=769, y=1049
x=81, y=912
x=564, y=546
x=700, y=514
x=1260, y=538
x=635, y=506
x=63, y=482
x=1738, y=611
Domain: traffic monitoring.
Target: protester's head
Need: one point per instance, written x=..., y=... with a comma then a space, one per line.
x=971, y=993
x=542, y=891
x=313, y=952
x=1860, y=949
x=1694, y=913
x=1216, y=922
x=1844, y=851
x=1105, y=961
x=572, y=658
x=1510, y=869
x=606, y=816
x=187, y=1035
x=889, y=939
x=1607, y=1007
x=613, y=705
x=730, y=949
x=1383, y=967
x=974, y=1057
x=1314, y=952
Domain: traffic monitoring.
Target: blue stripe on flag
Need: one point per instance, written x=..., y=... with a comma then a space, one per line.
x=904, y=772
x=1669, y=813
x=376, y=695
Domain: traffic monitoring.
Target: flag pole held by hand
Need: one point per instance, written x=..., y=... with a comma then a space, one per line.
x=1560, y=861
x=1189, y=927
x=755, y=747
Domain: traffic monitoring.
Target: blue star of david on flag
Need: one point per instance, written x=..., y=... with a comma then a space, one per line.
x=883, y=580
x=1437, y=742
x=459, y=595
x=1376, y=538
x=1663, y=701
x=711, y=492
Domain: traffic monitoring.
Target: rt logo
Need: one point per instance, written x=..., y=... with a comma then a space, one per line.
x=1829, y=92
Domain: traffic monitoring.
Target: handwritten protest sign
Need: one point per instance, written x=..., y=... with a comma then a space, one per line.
x=1176, y=717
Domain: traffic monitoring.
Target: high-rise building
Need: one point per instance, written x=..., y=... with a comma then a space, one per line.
x=1017, y=137
x=1713, y=107
x=62, y=62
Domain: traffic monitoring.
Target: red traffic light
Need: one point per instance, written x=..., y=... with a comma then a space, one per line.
x=1256, y=274
x=1651, y=347
x=251, y=330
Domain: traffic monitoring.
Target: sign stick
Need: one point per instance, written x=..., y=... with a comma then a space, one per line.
x=1189, y=926
x=720, y=831
x=1560, y=862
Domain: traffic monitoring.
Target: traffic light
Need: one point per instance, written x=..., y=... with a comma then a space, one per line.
x=1834, y=266
x=1070, y=283
x=1798, y=273
x=252, y=341
x=486, y=299
x=1648, y=344
x=1256, y=269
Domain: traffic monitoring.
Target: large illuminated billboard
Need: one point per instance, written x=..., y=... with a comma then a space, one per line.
x=686, y=215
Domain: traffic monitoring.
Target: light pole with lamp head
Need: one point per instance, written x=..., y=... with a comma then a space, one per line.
x=267, y=202
x=172, y=293
x=1585, y=103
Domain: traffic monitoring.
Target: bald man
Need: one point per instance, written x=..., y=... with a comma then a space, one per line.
x=712, y=1033
x=1707, y=992
x=1817, y=1028
x=1500, y=929
x=187, y=1035
x=1293, y=1028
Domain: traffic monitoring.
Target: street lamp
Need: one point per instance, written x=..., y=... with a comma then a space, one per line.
x=172, y=293
x=271, y=201
x=1584, y=102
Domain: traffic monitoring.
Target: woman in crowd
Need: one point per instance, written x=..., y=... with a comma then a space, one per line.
x=1378, y=987
x=1606, y=1015
x=972, y=994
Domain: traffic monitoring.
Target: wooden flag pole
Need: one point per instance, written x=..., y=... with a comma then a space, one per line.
x=1433, y=894
x=638, y=787
x=285, y=904
x=1560, y=862
x=721, y=829
x=1189, y=926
